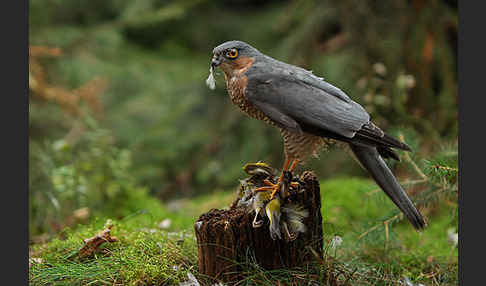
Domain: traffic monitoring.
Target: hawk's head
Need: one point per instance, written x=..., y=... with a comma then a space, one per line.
x=233, y=56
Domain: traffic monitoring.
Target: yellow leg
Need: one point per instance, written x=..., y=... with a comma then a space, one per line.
x=294, y=164
x=285, y=167
x=276, y=187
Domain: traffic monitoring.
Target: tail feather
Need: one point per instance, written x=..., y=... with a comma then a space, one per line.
x=371, y=161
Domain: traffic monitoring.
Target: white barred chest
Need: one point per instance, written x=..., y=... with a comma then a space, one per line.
x=236, y=90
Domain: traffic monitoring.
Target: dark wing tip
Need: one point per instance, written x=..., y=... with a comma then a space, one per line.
x=396, y=143
x=372, y=132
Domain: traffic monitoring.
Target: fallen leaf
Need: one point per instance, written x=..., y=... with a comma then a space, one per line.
x=91, y=244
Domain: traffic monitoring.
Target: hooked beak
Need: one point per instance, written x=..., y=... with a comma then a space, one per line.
x=215, y=61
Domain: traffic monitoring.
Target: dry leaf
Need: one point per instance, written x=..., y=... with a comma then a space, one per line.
x=91, y=244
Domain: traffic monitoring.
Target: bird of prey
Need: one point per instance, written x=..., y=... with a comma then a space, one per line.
x=310, y=114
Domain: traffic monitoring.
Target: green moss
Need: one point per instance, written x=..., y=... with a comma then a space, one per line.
x=146, y=254
x=141, y=256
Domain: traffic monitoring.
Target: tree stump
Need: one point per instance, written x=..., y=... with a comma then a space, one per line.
x=227, y=237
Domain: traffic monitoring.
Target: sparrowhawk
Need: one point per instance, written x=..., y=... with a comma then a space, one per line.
x=311, y=114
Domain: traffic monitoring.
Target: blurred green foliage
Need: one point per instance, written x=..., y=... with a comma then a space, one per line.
x=120, y=101
x=65, y=177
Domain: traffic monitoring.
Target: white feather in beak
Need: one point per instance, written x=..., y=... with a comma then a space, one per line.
x=210, y=82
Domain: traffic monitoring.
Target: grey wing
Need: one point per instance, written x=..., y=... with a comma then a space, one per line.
x=306, y=104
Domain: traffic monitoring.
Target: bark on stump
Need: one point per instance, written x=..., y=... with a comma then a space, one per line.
x=227, y=236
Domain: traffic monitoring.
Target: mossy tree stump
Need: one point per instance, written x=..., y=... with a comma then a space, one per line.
x=226, y=237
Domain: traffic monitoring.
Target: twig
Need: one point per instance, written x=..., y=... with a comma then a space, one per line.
x=386, y=232
x=407, y=157
x=444, y=168
x=385, y=223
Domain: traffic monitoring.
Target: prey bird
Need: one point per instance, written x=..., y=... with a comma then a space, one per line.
x=311, y=114
x=285, y=217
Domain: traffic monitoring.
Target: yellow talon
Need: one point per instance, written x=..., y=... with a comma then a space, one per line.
x=269, y=187
x=268, y=183
x=275, y=190
x=263, y=189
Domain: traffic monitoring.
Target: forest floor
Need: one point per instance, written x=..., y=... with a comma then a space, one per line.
x=157, y=246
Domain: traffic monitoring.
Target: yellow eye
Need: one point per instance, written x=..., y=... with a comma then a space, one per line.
x=233, y=53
